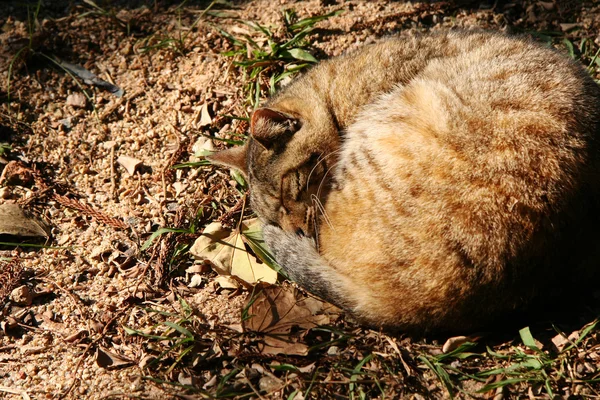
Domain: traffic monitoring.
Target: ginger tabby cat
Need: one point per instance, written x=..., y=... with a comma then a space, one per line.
x=431, y=183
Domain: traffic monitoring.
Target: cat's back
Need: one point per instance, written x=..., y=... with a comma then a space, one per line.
x=482, y=166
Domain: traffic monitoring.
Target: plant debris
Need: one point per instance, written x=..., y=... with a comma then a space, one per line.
x=14, y=222
x=226, y=251
x=119, y=307
x=275, y=311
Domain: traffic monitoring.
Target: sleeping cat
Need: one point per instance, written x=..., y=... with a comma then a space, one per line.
x=432, y=182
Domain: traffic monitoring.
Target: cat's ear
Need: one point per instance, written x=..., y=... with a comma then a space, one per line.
x=234, y=157
x=267, y=125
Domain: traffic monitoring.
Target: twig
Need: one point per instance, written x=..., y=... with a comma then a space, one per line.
x=85, y=351
x=112, y=173
x=76, y=300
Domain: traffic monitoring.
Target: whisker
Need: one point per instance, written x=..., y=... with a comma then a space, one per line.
x=321, y=209
x=321, y=159
x=324, y=177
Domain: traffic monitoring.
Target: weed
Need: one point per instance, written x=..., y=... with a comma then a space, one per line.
x=24, y=52
x=176, y=44
x=531, y=366
x=271, y=57
x=5, y=148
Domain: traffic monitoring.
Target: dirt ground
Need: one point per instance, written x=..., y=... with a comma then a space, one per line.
x=92, y=315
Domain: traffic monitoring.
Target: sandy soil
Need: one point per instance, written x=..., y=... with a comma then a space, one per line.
x=95, y=281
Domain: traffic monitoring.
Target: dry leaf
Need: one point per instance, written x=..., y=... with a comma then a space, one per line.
x=227, y=282
x=196, y=281
x=568, y=27
x=179, y=187
x=109, y=360
x=203, y=146
x=205, y=118
x=109, y=144
x=277, y=310
x=129, y=163
x=13, y=221
x=454, y=343
x=560, y=342
x=226, y=251
x=21, y=296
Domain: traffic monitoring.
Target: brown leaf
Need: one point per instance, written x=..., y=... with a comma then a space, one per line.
x=13, y=221
x=277, y=310
x=109, y=360
x=205, y=118
x=21, y=296
x=560, y=342
x=76, y=100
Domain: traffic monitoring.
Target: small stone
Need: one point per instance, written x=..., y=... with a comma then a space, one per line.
x=21, y=296
x=5, y=193
x=76, y=100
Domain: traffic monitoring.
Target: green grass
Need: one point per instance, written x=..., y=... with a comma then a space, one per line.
x=24, y=52
x=5, y=148
x=526, y=365
x=177, y=43
x=269, y=55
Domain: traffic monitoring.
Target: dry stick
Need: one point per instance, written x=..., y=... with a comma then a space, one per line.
x=87, y=348
x=76, y=300
x=112, y=173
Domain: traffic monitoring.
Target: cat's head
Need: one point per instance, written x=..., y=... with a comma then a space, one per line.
x=283, y=162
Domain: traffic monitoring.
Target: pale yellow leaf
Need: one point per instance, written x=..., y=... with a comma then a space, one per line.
x=226, y=251
x=129, y=163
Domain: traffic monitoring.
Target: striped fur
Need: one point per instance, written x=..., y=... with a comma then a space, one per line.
x=458, y=175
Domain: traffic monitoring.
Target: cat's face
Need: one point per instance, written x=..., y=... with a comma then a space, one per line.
x=284, y=169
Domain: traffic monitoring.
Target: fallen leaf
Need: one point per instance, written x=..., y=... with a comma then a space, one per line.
x=226, y=251
x=196, y=281
x=560, y=341
x=109, y=360
x=21, y=296
x=454, y=343
x=90, y=78
x=109, y=144
x=568, y=27
x=179, y=187
x=203, y=147
x=275, y=311
x=129, y=163
x=548, y=6
x=205, y=118
x=13, y=221
x=16, y=173
x=227, y=282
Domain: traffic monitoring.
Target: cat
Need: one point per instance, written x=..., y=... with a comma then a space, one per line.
x=431, y=182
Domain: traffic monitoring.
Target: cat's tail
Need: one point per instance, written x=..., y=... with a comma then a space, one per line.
x=300, y=259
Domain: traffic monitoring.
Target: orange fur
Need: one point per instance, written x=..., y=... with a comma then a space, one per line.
x=461, y=174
